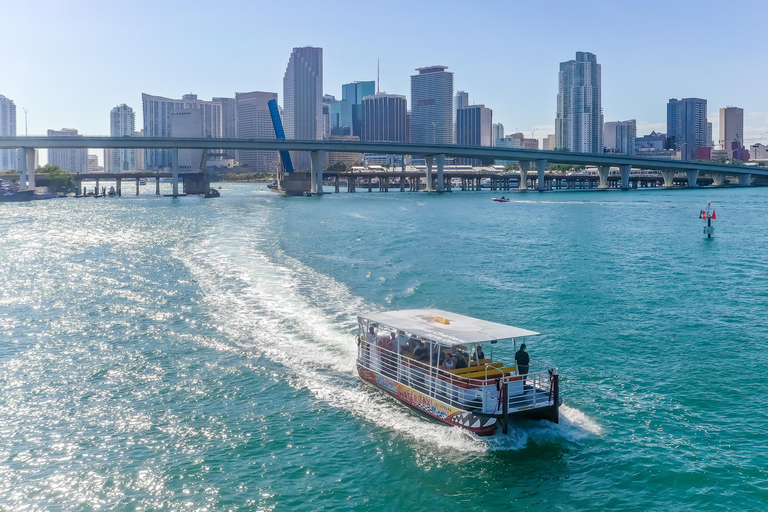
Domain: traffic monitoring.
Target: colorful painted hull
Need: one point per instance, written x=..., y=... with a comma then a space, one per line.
x=481, y=425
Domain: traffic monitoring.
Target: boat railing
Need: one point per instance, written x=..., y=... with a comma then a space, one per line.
x=479, y=394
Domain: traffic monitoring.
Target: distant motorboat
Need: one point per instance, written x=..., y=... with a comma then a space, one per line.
x=501, y=199
x=9, y=195
x=272, y=186
x=142, y=181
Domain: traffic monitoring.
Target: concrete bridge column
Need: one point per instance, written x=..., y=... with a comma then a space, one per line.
x=693, y=176
x=30, y=154
x=119, y=187
x=440, y=167
x=157, y=186
x=523, y=184
x=669, y=177
x=430, y=160
x=603, y=171
x=137, y=186
x=745, y=180
x=21, y=158
x=175, y=170
x=541, y=167
x=625, y=170
x=316, y=171
x=718, y=179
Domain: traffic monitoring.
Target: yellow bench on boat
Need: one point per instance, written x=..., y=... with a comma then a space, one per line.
x=492, y=372
x=482, y=362
x=472, y=369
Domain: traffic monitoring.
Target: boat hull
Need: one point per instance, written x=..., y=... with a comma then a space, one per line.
x=482, y=425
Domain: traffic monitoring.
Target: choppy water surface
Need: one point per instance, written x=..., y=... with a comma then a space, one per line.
x=198, y=354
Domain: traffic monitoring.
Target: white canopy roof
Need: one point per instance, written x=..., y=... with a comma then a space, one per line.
x=459, y=329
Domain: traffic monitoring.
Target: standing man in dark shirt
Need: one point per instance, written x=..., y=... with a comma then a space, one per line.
x=523, y=360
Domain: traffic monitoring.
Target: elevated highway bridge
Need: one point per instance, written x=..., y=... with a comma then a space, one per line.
x=435, y=155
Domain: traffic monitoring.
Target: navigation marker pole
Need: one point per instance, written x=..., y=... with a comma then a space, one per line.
x=709, y=230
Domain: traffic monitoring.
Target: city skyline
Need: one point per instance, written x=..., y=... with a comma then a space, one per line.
x=632, y=84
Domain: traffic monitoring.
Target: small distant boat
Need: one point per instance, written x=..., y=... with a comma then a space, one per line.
x=8, y=195
x=142, y=181
x=502, y=199
x=212, y=192
x=112, y=192
x=272, y=186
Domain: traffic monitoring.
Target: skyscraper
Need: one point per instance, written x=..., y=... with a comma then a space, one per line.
x=157, y=123
x=619, y=137
x=353, y=94
x=7, y=129
x=303, y=100
x=228, y=130
x=731, y=127
x=461, y=100
x=122, y=123
x=497, y=133
x=432, y=106
x=474, y=125
x=687, y=125
x=72, y=160
x=255, y=122
x=579, y=122
x=384, y=118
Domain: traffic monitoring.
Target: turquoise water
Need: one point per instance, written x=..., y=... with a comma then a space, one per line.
x=181, y=354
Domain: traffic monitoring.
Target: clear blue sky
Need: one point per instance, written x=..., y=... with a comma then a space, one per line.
x=70, y=62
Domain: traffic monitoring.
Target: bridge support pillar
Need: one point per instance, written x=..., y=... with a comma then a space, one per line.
x=669, y=177
x=137, y=186
x=541, y=167
x=718, y=179
x=625, y=170
x=119, y=187
x=316, y=171
x=30, y=155
x=26, y=164
x=430, y=160
x=157, y=186
x=523, y=184
x=175, y=170
x=745, y=180
x=603, y=171
x=440, y=179
x=693, y=176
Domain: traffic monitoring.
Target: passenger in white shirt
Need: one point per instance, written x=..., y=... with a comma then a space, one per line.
x=370, y=337
x=402, y=341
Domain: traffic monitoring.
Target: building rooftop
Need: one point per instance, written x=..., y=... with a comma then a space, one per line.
x=431, y=69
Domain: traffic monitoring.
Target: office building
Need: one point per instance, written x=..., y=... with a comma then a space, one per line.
x=158, y=112
x=579, y=122
x=303, y=100
x=474, y=127
x=508, y=142
x=525, y=143
x=93, y=164
x=731, y=127
x=72, y=160
x=710, y=142
x=7, y=129
x=348, y=159
x=353, y=94
x=328, y=100
x=549, y=144
x=228, y=119
x=687, y=125
x=497, y=132
x=432, y=106
x=255, y=122
x=122, y=123
x=461, y=100
x=619, y=137
x=384, y=118
x=138, y=154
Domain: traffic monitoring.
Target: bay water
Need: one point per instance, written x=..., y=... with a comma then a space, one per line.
x=193, y=354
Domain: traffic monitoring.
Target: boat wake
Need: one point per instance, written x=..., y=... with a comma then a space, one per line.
x=271, y=305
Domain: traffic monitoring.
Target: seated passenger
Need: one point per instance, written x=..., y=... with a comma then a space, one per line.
x=461, y=362
x=479, y=354
x=421, y=352
x=402, y=341
x=450, y=363
x=413, y=342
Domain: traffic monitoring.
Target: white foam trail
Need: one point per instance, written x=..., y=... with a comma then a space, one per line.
x=304, y=320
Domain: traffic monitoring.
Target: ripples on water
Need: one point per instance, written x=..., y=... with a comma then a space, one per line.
x=199, y=354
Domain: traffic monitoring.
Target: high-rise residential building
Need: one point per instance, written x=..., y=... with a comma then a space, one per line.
x=353, y=94
x=432, y=106
x=72, y=160
x=579, y=122
x=687, y=125
x=619, y=137
x=93, y=164
x=549, y=144
x=497, y=132
x=122, y=123
x=138, y=154
x=474, y=127
x=7, y=129
x=303, y=100
x=384, y=118
x=228, y=120
x=731, y=127
x=157, y=123
x=255, y=122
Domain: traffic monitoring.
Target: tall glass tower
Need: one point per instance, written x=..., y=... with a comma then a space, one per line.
x=579, y=122
x=303, y=100
x=432, y=106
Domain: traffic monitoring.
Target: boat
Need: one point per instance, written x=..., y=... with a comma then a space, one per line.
x=112, y=192
x=501, y=199
x=272, y=186
x=142, y=181
x=212, y=192
x=9, y=195
x=480, y=397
